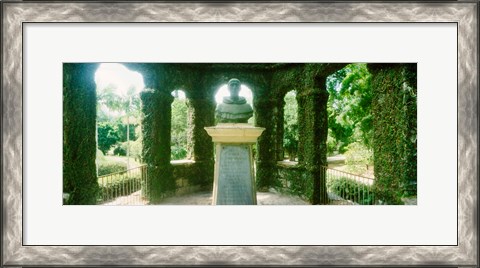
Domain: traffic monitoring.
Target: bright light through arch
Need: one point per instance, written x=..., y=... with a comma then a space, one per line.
x=178, y=93
x=118, y=76
x=245, y=92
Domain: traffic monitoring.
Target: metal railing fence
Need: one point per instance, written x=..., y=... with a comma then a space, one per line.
x=349, y=189
x=129, y=187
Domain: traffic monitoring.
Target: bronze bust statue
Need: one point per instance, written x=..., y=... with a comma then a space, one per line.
x=234, y=108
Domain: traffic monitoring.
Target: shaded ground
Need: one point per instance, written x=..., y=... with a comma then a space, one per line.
x=263, y=198
x=134, y=199
x=205, y=198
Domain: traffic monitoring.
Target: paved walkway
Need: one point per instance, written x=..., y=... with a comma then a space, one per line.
x=134, y=199
x=205, y=198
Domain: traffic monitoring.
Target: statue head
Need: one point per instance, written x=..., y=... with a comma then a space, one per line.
x=234, y=88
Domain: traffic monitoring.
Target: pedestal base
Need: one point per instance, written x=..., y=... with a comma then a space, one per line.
x=234, y=182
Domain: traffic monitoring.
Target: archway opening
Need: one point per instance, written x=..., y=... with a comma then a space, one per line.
x=119, y=138
x=350, y=122
x=290, y=126
x=179, y=126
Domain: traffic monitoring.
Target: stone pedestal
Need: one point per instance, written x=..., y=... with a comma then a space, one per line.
x=234, y=177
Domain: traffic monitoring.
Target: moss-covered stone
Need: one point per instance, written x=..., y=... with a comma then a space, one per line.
x=309, y=81
x=156, y=142
x=395, y=130
x=294, y=179
x=186, y=177
x=266, y=162
x=202, y=115
x=278, y=118
x=314, y=122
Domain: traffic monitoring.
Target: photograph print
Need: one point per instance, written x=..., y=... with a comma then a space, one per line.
x=239, y=133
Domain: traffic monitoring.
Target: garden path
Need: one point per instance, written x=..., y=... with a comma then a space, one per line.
x=205, y=198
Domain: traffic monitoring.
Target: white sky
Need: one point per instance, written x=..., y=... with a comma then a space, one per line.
x=118, y=75
x=181, y=94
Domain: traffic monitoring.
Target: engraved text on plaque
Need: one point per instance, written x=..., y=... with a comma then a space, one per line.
x=235, y=182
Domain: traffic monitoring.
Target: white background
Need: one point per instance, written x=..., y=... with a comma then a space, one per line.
x=432, y=222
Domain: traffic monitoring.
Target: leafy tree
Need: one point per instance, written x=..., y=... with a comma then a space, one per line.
x=113, y=110
x=122, y=132
x=107, y=136
x=349, y=106
x=290, y=132
x=358, y=158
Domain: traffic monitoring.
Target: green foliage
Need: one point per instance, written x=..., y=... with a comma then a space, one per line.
x=309, y=82
x=394, y=141
x=107, y=136
x=108, y=166
x=118, y=116
x=114, y=135
x=358, y=153
x=265, y=150
x=178, y=152
x=290, y=132
x=136, y=149
x=352, y=190
x=155, y=150
x=332, y=144
x=179, y=129
x=120, y=149
x=349, y=106
x=122, y=132
x=107, y=97
x=294, y=180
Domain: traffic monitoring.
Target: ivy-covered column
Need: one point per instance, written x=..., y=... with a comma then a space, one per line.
x=301, y=120
x=395, y=130
x=279, y=125
x=313, y=123
x=156, y=128
x=266, y=162
x=79, y=124
x=202, y=114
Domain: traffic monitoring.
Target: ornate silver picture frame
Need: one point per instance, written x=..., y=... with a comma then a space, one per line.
x=16, y=13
